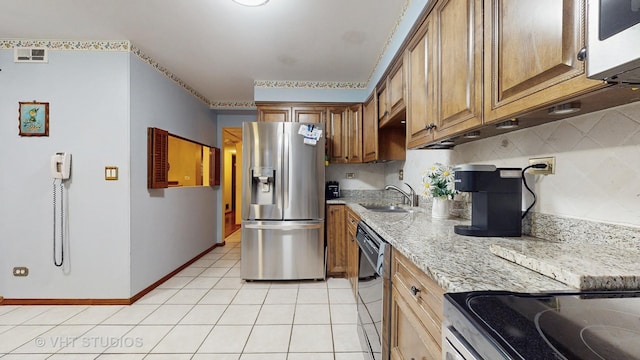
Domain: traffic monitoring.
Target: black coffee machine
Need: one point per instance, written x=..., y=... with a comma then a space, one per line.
x=332, y=190
x=496, y=200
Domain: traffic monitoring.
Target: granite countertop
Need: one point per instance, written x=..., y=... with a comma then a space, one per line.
x=457, y=263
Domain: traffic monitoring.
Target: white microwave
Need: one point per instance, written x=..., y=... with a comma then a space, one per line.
x=613, y=40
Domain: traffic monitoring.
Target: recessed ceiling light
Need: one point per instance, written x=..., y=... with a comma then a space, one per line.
x=251, y=2
x=564, y=109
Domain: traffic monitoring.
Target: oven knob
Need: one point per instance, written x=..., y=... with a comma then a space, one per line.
x=414, y=290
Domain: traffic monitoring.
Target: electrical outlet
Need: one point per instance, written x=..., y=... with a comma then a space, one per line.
x=350, y=175
x=401, y=175
x=20, y=271
x=551, y=165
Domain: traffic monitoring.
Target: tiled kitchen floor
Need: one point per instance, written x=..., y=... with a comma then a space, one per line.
x=204, y=312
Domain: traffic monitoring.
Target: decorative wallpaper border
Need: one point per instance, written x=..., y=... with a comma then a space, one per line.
x=125, y=45
x=287, y=84
x=233, y=105
x=116, y=45
x=164, y=71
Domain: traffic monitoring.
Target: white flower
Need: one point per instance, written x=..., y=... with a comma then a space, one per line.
x=439, y=181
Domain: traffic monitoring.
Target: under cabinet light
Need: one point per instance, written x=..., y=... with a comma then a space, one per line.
x=564, y=109
x=509, y=124
x=472, y=135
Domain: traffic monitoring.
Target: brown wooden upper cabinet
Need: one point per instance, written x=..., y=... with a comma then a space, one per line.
x=370, y=129
x=274, y=113
x=531, y=52
x=458, y=57
x=309, y=114
x=381, y=144
x=391, y=95
x=291, y=112
x=354, y=133
x=477, y=62
x=344, y=133
x=420, y=63
x=444, y=62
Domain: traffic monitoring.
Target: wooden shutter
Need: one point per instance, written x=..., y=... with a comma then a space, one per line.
x=214, y=167
x=157, y=158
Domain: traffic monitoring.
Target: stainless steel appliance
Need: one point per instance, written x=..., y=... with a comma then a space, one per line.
x=494, y=325
x=283, y=202
x=613, y=35
x=496, y=200
x=374, y=291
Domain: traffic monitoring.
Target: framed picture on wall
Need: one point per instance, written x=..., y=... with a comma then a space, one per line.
x=33, y=118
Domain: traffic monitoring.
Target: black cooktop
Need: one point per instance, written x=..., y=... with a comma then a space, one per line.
x=584, y=326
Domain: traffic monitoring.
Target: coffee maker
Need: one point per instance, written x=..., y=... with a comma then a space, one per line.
x=332, y=190
x=496, y=200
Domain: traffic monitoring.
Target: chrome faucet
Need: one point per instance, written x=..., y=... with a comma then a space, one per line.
x=411, y=196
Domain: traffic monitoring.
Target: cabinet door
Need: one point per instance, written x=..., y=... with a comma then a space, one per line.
x=421, y=79
x=383, y=100
x=353, y=134
x=336, y=118
x=370, y=130
x=274, y=113
x=531, y=52
x=352, y=250
x=336, y=246
x=309, y=114
x=396, y=88
x=409, y=338
x=459, y=59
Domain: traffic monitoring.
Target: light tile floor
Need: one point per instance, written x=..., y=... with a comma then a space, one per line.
x=204, y=312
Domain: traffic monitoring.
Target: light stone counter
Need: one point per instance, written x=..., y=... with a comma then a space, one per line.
x=455, y=262
x=583, y=266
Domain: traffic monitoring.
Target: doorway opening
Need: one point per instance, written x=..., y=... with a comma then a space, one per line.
x=232, y=175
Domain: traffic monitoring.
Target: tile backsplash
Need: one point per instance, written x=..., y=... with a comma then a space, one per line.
x=597, y=175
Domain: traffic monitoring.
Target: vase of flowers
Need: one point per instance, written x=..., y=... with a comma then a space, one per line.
x=438, y=184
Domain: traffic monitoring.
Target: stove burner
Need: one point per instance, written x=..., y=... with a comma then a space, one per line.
x=611, y=342
x=598, y=334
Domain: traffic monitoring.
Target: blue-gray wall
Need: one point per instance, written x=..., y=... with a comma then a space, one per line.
x=168, y=226
x=88, y=93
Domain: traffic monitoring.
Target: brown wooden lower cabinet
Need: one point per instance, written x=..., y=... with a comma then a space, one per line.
x=416, y=313
x=336, y=244
x=352, y=250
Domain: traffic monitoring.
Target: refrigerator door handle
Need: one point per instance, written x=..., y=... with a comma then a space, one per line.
x=288, y=133
x=283, y=227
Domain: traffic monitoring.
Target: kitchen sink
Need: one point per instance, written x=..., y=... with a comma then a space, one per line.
x=383, y=208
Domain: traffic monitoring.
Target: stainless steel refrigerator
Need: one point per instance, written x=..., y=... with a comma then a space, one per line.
x=283, y=201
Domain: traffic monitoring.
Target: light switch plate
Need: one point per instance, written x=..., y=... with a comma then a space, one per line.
x=111, y=173
x=350, y=175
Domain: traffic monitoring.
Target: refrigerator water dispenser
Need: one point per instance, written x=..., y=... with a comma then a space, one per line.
x=262, y=186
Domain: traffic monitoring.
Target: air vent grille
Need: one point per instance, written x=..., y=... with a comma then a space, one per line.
x=30, y=55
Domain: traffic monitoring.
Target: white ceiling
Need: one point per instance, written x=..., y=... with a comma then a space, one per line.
x=219, y=47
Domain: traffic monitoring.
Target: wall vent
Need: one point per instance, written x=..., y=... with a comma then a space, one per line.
x=30, y=55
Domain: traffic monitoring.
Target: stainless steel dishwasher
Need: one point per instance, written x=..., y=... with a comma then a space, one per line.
x=374, y=286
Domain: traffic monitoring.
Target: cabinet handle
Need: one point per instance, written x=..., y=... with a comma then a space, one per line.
x=414, y=290
x=430, y=126
x=582, y=54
